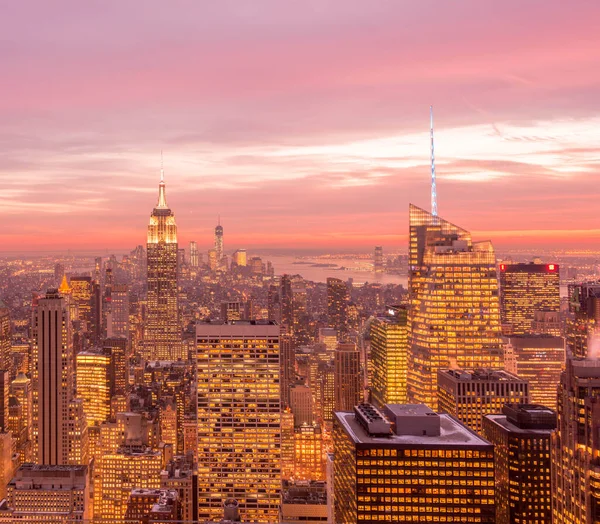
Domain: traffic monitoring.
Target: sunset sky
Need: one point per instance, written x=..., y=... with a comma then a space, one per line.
x=302, y=123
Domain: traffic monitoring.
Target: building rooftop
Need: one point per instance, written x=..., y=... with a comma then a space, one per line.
x=451, y=432
x=502, y=420
x=496, y=375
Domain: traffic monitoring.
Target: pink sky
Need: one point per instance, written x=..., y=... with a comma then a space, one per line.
x=303, y=124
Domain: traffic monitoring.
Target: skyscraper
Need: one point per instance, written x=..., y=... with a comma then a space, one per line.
x=539, y=359
x=521, y=436
x=219, y=242
x=525, y=289
x=575, y=445
x=389, y=355
x=378, y=260
x=93, y=384
x=583, y=317
x=57, y=417
x=454, y=316
x=406, y=463
x=239, y=419
x=337, y=306
x=347, y=377
x=194, y=255
x=469, y=395
x=162, y=339
x=119, y=312
x=5, y=339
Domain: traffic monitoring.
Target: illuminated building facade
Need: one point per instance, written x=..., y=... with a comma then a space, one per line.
x=583, y=317
x=469, y=395
x=575, y=445
x=406, y=463
x=308, y=453
x=347, y=377
x=121, y=471
x=240, y=258
x=116, y=348
x=525, y=289
x=287, y=373
x=162, y=339
x=194, y=254
x=239, y=419
x=337, y=306
x=235, y=310
x=454, y=314
x=21, y=418
x=5, y=339
x=44, y=493
x=151, y=505
x=302, y=404
x=119, y=319
x=521, y=436
x=93, y=385
x=539, y=359
x=219, y=243
x=389, y=357
x=178, y=475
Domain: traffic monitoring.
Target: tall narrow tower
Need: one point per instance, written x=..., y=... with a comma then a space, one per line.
x=162, y=339
x=219, y=242
x=434, y=210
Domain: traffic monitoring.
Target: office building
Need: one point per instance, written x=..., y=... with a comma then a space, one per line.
x=302, y=404
x=116, y=348
x=239, y=419
x=194, y=254
x=454, y=317
x=308, y=453
x=521, y=436
x=337, y=306
x=287, y=362
x=235, y=310
x=5, y=340
x=539, y=359
x=348, y=381
x=525, y=289
x=162, y=337
x=93, y=384
x=328, y=336
x=178, y=475
x=575, y=445
x=118, y=324
x=378, y=263
x=240, y=258
x=409, y=464
x=219, y=242
x=147, y=505
x=583, y=317
x=469, y=395
x=48, y=493
x=57, y=416
x=389, y=357
x=304, y=502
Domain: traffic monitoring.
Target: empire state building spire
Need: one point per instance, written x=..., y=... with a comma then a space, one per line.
x=162, y=197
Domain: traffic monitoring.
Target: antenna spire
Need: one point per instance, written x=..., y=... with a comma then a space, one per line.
x=434, y=211
x=162, y=169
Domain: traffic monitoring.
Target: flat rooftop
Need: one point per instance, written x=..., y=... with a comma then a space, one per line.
x=452, y=434
x=502, y=421
x=235, y=328
x=495, y=375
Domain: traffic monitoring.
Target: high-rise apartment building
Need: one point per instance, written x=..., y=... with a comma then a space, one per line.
x=575, y=445
x=239, y=419
x=454, y=316
x=409, y=464
x=521, y=439
x=337, y=306
x=469, y=395
x=56, y=415
x=45, y=493
x=347, y=377
x=525, y=289
x=539, y=359
x=162, y=339
x=194, y=254
x=389, y=357
x=93, y=384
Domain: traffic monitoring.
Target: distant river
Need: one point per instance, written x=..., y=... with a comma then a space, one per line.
x=285, y=264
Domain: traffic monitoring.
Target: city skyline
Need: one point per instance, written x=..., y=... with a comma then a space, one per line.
x=320, y=114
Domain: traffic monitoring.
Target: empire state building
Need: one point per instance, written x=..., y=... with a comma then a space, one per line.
x=162, y=339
